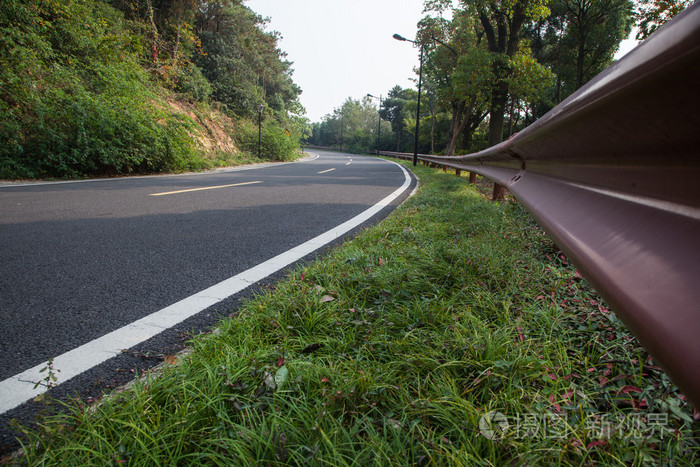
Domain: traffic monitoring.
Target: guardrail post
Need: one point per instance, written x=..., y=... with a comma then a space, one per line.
x=499, y=192
x=472, y=177
x=458, y=172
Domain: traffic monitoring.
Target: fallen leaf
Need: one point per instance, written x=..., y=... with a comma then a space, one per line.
x=326, y=298
x=270, y=381
x=281, y=376
x=171, y=359
x=381, y=262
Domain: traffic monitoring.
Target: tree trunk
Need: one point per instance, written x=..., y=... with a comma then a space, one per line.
x=499, y=98
x=456, y=126
x=432, y=130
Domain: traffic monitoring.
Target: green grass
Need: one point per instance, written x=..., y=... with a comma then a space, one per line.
x=451, y=308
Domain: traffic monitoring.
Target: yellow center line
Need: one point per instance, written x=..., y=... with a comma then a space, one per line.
x=324, y=171
x=204, y=188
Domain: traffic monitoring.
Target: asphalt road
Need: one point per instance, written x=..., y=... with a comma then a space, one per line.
x=81, y=260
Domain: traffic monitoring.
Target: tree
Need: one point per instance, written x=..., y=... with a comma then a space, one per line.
x=396, y=109
x=353, y=125
x=460, y=70
x=593, y=32
x=652, y=14
x=502, y=22
x=242, y=61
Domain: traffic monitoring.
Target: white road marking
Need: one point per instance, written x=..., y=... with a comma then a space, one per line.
x=204, y=188
x=325, y=171
x=18, y=389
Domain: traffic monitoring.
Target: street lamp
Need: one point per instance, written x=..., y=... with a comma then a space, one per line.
x=399, y=37
x=379, y=117
x=260, y=112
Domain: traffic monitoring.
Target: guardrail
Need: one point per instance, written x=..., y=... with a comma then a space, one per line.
x=613, y=175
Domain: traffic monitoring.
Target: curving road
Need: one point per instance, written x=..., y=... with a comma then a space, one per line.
x=91, y=269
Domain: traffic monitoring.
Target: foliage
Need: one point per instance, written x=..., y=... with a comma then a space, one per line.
x=76, y=103
x=397, y=108
x=353, y=127
x=652, y=14
x=391, y=350
x=579, y=39
x=82, y=83
x=242, y=61
x=276, y=142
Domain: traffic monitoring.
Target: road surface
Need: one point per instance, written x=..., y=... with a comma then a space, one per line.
x=107, y=277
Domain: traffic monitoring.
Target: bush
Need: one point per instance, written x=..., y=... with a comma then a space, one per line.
x=75, y=104
x=277, y=144
x=191, y=81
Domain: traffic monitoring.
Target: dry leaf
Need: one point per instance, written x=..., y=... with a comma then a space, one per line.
x=326, y=298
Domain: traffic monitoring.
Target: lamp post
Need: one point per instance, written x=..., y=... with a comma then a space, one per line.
x=399, y=37
x=260, y=112
x=342, y=124
x=379, y=117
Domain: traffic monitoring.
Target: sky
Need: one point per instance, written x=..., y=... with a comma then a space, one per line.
x=344, y=48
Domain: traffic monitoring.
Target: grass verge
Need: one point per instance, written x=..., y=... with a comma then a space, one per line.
x=398, y=348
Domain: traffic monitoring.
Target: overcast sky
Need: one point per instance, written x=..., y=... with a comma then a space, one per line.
x=344, y=48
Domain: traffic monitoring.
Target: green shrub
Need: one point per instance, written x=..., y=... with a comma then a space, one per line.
x=74, y=103
x=276, y=143
x=191, y=81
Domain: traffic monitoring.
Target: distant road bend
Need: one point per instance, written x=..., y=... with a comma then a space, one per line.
x=88, y=269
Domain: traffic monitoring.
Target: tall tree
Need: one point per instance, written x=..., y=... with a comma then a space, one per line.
x=594, y=30
x=395, y=110
x=460, y=69
x=502, y=22
x=242, y=61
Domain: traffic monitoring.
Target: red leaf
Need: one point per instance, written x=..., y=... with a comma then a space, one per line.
x=280, y=362
x=628, y=389
x=556, y=406
x=593, y=444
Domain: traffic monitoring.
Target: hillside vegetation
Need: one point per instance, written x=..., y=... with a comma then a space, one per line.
x=95, y=87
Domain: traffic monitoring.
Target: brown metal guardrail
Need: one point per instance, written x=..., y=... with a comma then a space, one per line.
x=613, y=175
